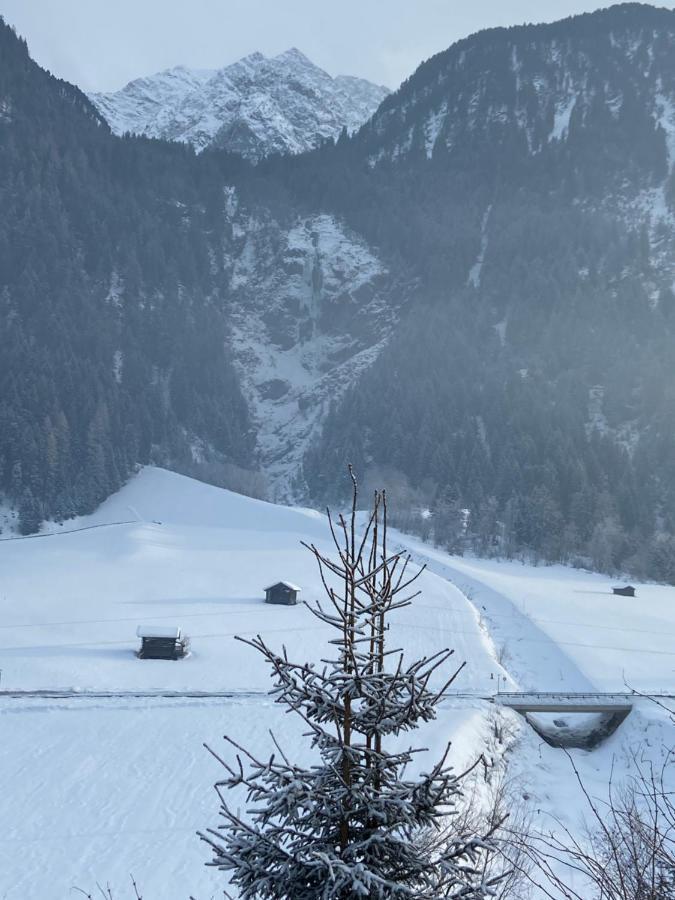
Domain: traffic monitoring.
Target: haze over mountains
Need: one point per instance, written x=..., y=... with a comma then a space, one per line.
x=471, y=298
x=256, y=106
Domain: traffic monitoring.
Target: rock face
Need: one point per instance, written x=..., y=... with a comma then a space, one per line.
x=257, y=106
x=311, y=307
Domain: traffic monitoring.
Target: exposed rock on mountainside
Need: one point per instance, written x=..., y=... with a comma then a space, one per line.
x=311, y=309
x=257, y=106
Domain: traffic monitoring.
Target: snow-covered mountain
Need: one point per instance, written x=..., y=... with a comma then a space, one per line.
x=258, y=105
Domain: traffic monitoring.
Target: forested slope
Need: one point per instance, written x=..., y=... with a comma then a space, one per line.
x=526, y=177
x=113, y=344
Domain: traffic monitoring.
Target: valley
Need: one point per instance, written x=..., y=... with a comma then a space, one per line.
x=224, y=288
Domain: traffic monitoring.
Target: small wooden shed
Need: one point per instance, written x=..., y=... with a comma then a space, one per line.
x=627, y=591
x=160, y=642
x=283, y=592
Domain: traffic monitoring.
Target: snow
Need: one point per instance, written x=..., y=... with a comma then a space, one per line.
x=432, y=128
x=157, y=631
x=87, y=775
x=562, y=628
x=597, y=420
x=5, y=111
x=95, y=786
x=100, y=790
x=288, y=584
x=665, y=109
x=255, y=106
x=477, y=268
x=185, y=553
x=118, y=365
x=561, y=121
x=611, y=641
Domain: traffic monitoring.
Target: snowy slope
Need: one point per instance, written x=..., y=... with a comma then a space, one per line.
x=95, y=788
x=198, y=557
x=257, y=106
x=613, y=641
x=84, y=775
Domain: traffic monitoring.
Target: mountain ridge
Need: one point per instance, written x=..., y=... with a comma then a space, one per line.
x=255, y=106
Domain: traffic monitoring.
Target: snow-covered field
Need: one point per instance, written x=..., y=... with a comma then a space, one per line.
x=558, y=628
x=95, y=788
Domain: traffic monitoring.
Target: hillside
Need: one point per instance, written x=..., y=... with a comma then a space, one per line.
x=193, y=555
x=113, y=349
x=526, y=178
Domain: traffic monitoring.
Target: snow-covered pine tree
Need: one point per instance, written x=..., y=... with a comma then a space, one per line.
x=350, y=827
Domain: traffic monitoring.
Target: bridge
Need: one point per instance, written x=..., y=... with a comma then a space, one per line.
x=609, y=711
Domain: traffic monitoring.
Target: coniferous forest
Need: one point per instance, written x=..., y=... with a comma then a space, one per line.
x=114, y=348
x=521, y=185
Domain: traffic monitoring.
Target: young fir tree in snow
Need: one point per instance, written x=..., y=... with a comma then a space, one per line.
x=353, y=825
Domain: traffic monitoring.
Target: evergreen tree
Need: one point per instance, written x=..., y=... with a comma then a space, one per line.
x=30, y=513
x=353, y=825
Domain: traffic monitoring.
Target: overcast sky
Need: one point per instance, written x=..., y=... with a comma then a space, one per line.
x=102, y=44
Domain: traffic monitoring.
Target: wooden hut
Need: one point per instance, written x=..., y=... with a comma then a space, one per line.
x=160, y=642
x=283, y=592
x=627, y=591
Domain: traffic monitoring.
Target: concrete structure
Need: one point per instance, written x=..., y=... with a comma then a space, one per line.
x=608, y=712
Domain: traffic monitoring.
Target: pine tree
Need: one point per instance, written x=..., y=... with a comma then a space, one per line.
x=30, y=516
x=353, y=825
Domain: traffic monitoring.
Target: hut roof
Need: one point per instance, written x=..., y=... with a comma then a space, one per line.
x=158, y=631
x=287, y=584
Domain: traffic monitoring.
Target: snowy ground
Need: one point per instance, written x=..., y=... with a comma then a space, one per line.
x=95, y=788
x=558, y=628
x=561, y=629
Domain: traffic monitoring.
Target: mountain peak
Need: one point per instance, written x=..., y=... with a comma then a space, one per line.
x=254, y=58
x=294, y=55
x=303, y=105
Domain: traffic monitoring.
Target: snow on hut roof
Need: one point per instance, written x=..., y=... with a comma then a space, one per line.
x=158, y=631
x=288, y=584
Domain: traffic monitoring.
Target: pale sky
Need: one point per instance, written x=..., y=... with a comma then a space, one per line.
x=102, y=44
